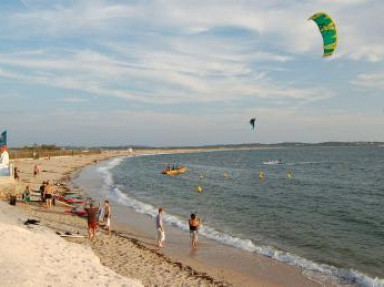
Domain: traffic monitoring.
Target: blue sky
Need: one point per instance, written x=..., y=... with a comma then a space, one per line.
x=94, y=72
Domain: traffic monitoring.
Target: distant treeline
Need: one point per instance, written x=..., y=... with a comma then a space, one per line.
x=37, y=151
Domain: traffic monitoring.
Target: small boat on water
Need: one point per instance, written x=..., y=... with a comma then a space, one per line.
x=175, y=171
x=273, y=162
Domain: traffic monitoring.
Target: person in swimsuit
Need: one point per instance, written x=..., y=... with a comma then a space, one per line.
x=107, y=216
x=194, y=224
x=48, y=194
x=92, y=220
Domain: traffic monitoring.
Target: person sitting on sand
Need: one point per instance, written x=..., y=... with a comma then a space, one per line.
x=160, y=228
x=48, y=194
x=107, y=216
x=194, y=224
x=92, y=220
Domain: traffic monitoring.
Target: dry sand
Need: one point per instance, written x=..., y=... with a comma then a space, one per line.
x=36, y=256
x=125, y=256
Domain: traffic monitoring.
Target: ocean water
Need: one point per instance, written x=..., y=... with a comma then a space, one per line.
x=328, y=218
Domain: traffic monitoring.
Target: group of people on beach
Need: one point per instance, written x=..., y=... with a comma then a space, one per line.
x=194, y=223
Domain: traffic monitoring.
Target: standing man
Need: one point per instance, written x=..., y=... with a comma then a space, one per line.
x=107, y=216
x=48, y=194
x=92, y=220
x=194, y=224
x=160, y=228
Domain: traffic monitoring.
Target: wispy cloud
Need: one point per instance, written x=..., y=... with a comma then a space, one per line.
x=370, y=80
x=177, y=77
x=74, y=100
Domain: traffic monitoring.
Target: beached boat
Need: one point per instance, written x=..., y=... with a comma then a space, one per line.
x=176, y=171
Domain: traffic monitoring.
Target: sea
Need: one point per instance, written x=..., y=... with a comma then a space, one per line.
x=321, y=209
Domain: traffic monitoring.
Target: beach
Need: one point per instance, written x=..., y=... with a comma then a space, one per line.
x=130, y=251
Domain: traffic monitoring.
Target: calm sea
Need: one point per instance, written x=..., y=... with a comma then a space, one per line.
x=328, y=217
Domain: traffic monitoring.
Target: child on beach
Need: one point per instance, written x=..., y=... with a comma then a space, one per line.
x=194, y=224
x=92, y=220
x=27, y=194
x=160, y=228
x=107, y=216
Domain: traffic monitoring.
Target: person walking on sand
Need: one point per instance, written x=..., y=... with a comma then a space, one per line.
x=16, y=173
x=92, y=220
x=48, y=194
x=160, y=228
x=107, y=216
x=194, y=224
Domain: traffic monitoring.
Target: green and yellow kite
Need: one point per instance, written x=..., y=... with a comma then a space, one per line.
x=328, y=30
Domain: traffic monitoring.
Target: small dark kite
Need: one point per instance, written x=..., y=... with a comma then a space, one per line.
x=252, y=122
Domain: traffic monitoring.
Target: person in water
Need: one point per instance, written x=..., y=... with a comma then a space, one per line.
x=92, y=220
x=194, y=224
x=160, y=228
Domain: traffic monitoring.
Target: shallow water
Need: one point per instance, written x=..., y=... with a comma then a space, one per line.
x=329, y=213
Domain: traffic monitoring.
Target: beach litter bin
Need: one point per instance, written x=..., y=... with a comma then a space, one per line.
x=12, y=200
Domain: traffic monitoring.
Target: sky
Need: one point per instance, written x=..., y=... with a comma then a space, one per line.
x=174, y=73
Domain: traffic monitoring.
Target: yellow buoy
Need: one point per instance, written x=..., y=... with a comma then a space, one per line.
x=261, y=175
x=289, y=174
x=226, y=174
x=199, y=189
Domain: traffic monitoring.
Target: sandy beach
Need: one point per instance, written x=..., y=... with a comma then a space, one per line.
x=125, y=254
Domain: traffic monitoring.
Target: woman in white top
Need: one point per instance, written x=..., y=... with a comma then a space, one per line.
x=160, y=228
